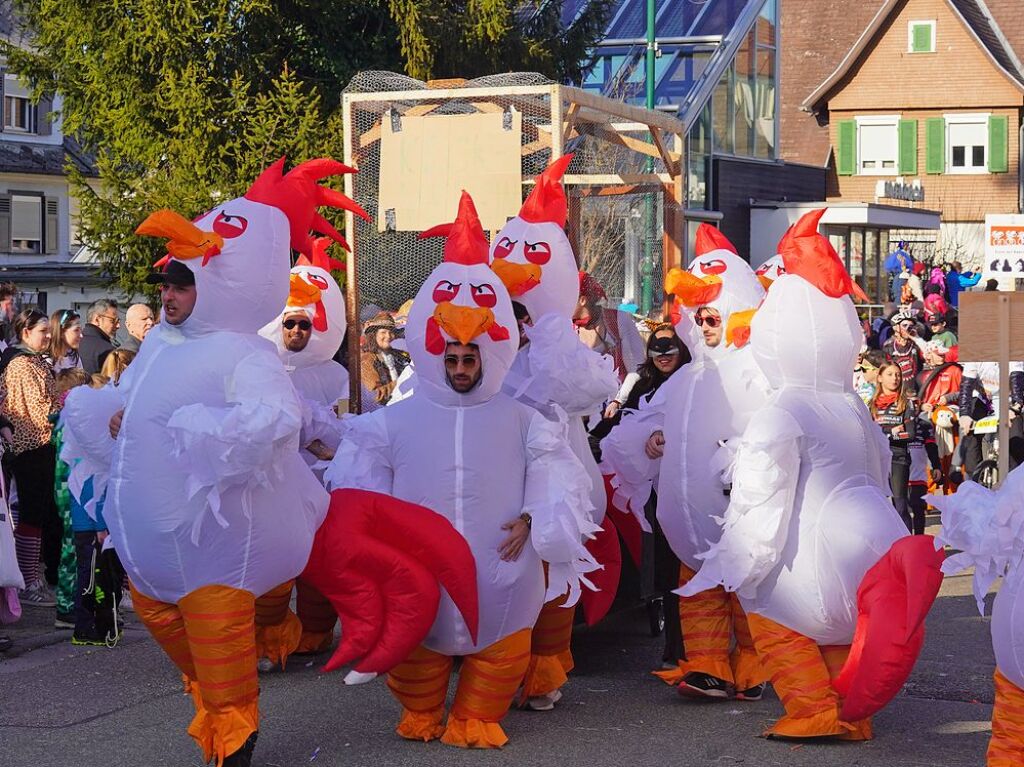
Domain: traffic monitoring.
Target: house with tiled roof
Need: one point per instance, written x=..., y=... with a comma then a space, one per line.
x=40, y=249
x=924, y=110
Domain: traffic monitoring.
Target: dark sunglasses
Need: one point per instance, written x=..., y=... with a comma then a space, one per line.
x=707, y=319
x=303, y=324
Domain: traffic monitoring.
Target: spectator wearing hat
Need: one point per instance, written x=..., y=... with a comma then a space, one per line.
x=102, y=322
x=380, y=364
x=941, y=333
x=902, y=349
x=607, y=331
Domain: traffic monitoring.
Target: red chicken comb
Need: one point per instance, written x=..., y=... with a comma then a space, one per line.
x=298, y=195
x=709, y=238
x=807, y=253
x=320, y=258
x=466, y=244
x=546, y=201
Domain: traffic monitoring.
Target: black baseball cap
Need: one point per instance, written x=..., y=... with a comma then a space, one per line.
x=175, y=273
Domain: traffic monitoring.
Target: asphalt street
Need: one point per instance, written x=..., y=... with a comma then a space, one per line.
x=84, y=707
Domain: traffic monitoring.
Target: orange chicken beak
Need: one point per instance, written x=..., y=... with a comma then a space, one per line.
x=463, y=322
x=765, y=282
x=301, y=293
x=691, y=290
x=517, y=278
x=737, y=331
x=185, y=239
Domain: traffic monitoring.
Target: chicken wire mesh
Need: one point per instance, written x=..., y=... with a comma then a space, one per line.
x=610, y=231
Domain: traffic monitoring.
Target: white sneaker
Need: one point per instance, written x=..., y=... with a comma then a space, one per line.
x=544, y=702
x=37, y=595
x=265, y=665
x=126, y=601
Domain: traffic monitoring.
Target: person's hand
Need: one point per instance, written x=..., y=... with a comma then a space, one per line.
x=927, y=407
x=115, y=424
x=966, y=422
x=512, y=546
x=320, y=450
x=655, y=445
x=612, y=409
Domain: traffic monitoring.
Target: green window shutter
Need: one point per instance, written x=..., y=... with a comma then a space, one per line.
x=922, y=39
x=998, y=156
x=846, y=147
x=908, y=147
x=935, y=145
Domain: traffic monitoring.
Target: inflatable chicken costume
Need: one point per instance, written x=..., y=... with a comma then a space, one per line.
x=809, y=523
x=561, y=378
x=986, y=528
x=707, y=403
x=320, y=381
x=314, y=298
x=208, y=502
x=487, y=463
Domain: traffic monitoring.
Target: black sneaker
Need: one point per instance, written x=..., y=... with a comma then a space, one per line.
x=64, y=621
x=753, y=693
x=243, y=756
x=90, y=638
x=699, y=685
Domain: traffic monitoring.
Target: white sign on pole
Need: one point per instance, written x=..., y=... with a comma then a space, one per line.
x=1004, y=245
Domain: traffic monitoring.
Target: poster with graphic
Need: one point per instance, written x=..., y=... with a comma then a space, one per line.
x=1004, y=245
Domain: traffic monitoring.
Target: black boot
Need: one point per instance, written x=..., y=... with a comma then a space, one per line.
x=243, y=756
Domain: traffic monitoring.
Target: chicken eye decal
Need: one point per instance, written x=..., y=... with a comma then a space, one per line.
x=714, y=266
x=317, y=280
x=228, y=226
x=445, y=291
x=484, y=295
x=537, y=252
x=504, y=247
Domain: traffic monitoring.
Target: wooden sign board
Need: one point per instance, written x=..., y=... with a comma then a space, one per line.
x=981, y=318
x=427, y=160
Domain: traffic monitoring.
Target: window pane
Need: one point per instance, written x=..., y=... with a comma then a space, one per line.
x=958, y=156
x=746, y=79
x=722, y=106
x=765, y=88
x=978, y=156
x=879, y=145
x=26, y=224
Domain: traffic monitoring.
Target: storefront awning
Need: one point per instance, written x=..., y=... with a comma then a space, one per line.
x=856, y=214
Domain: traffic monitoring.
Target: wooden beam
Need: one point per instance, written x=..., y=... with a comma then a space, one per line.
x=614, y=191
x=649, y=117
x=628, y=142
x=423, y=94
x=671, y=161
x=613, y=179
x=570, y=122
x=371, y=136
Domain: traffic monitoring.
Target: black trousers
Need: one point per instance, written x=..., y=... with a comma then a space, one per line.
x=33, y=472
x=972, y=452
x=899, y=482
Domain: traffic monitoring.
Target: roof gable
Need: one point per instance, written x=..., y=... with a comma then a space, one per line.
x=972, y=14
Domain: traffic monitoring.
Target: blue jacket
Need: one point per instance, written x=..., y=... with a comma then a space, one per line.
x=81, y=522
x=955, y=282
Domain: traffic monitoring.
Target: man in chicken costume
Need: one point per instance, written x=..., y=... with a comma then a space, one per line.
x=208, y=502
x=307, y=334
x=561, y=378
x=706, y=404
x=986, y=528
x=504, y=475
x=809, y=522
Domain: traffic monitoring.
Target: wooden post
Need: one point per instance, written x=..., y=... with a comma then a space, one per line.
x=1004, y=386
x=351, y=269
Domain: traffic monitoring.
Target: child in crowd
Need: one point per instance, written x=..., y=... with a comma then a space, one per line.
x=67, y=574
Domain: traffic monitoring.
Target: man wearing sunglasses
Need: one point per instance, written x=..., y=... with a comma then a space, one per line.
x=296, y=330
x=710, y=323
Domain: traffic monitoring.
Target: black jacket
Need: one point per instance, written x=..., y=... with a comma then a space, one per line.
x=94, y=348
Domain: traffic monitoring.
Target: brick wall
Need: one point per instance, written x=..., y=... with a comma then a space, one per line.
x=957, y=197
x=813, y=40
x=959, y=75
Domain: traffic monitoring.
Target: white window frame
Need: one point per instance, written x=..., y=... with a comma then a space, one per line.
x=885, y=121
x=978, y=118
x=910, y=34
x=30, y=112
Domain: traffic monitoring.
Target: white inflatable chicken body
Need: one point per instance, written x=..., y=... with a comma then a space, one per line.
x=533, y=258
x=809, y=512
x=709, y=401
x=215, y=396
x=319, y=380
x=986, y=528
x=481, y=459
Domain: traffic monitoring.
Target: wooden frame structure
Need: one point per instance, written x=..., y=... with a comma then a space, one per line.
x=570, y=113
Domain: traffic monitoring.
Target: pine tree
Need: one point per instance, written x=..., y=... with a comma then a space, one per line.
x=183, y=102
